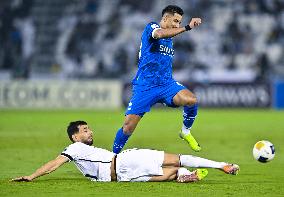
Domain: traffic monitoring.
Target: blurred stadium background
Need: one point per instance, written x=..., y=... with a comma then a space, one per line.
x=88, y=49
x=82, y=55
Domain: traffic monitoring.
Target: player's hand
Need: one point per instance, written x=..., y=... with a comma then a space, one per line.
x=22, y=179
x=194, y=22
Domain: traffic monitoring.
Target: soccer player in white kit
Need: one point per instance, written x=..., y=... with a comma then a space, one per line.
x=133, y=165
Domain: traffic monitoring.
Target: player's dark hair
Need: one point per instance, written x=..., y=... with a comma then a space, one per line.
x=74, y=128
x=172, y=9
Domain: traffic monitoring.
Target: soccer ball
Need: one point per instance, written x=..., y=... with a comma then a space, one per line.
x=263, y=151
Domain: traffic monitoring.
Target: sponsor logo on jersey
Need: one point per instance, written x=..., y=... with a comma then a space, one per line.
x=166, y=50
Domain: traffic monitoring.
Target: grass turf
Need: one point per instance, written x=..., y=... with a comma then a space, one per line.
x=31, y=138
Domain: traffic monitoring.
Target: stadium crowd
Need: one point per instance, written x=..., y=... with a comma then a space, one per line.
x=237, y=41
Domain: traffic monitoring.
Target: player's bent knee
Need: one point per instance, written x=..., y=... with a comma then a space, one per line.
x=130, y=124
x=172, y=177
x=190, y=100
x=169, y=175
x=186, y=99
x=128, y=128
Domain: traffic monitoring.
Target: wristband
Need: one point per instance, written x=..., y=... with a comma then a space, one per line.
x=187, y=28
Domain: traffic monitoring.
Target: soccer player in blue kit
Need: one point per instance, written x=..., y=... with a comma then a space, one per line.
x=154, y=83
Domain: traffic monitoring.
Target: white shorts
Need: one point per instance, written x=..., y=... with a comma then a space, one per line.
x=139, y=165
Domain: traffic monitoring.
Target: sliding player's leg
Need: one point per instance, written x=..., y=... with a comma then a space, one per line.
x=198, y=162
x=169, y=174
x=181, y=175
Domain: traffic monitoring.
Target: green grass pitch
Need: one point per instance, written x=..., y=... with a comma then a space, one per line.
x=28, y=139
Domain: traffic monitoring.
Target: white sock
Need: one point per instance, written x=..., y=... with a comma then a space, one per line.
x=198, y=162
x=185, y=130
x=183, y=171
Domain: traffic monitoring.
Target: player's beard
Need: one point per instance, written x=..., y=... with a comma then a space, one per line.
x=88, y=141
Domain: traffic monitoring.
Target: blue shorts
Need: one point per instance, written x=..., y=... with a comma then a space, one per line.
x=144, y=98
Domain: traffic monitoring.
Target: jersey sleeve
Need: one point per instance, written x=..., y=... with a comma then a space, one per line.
x=70, y=152
x=151, y=28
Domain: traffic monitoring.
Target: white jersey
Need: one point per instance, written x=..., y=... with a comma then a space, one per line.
x=93, y=162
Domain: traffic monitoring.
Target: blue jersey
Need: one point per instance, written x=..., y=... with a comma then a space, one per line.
x=155, y=59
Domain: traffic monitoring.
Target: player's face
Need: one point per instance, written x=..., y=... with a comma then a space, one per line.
x=173, y=21
x=85, y=135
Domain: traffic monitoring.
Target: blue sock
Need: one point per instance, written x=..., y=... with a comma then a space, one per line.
x=189, y=114
x=119, y=141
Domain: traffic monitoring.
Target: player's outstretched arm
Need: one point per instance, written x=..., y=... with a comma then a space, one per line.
x=171, y=32
x=43, y=170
